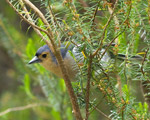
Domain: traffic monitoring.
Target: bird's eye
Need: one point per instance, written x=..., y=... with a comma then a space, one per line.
x=44, y=55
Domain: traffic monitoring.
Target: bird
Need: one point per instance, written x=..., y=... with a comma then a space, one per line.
x=47, y=59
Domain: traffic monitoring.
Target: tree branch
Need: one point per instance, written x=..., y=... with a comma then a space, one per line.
x=20, y=108
x=88, y=87
x=102, y=38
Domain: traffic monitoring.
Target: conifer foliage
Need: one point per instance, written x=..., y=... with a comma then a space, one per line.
x=104, y=89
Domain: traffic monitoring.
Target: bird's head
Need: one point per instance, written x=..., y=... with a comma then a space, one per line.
x=47, y=59
x=43, y=55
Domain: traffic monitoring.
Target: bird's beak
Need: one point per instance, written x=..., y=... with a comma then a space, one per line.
x=35, y=59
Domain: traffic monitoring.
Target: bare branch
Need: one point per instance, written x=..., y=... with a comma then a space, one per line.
x=142, y=70
x=103, y=114
x=102, y=38
x=106, y=49
x=95, y=12
x=88, y=87
x=145, y=83
x=115, y=20
x=20, y=108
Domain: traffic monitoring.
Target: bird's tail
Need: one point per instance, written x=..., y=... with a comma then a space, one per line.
x=131, y=58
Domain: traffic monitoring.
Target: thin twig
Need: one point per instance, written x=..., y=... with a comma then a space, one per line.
x=84, y=4
x=95, y=12
x=112, y=12
x=97, y=104
x=55, y=20
x=134, y=118
x=110, y=82
x=20, y=108
x=116, y=40
x=115, y=20
x=146, y=82
x=110, y=9
x=144, y=59
x=106, y=49
x=88, y=87
x=103, y=114
x=109, y=20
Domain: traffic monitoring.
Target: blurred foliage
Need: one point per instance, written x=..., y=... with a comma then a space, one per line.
x=33, y=84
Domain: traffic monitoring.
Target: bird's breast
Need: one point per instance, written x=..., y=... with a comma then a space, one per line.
x=70, y=64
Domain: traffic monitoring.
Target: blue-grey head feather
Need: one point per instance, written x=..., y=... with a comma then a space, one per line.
x=64, y=50
x=42, y=49
x=45, y=48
